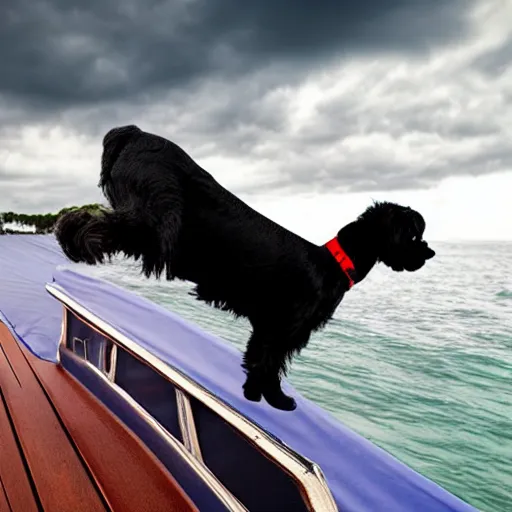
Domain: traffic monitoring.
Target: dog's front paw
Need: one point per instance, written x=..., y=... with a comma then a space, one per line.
x=256, y=387
x=278, y=400
x=283, y=402
x=252, y=390
x=254, y=395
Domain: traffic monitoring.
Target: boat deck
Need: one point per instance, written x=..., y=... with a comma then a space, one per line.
x=62, y=450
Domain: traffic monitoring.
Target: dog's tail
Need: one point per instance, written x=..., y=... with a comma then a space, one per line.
x=86, y=237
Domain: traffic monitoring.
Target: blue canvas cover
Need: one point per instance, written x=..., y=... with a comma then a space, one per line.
x=27, y=262
x=361, y=476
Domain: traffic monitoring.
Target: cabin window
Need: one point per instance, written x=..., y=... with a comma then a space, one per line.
x=152, y=391
x=241, y=467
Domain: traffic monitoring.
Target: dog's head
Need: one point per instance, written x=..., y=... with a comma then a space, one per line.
x=398, y=231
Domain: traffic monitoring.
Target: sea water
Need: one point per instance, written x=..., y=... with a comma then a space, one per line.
x=420, y=364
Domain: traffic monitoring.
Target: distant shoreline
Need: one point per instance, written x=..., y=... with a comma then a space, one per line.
x=38, y=223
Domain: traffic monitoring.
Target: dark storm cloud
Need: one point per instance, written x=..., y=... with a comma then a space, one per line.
x=59, y=53
x=222, y=78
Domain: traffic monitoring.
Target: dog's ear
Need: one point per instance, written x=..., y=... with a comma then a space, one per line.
x=400, y=240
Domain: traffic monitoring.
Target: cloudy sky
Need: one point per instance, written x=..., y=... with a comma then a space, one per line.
x=307, y=110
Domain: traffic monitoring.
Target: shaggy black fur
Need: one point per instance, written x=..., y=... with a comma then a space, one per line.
x=175, y=217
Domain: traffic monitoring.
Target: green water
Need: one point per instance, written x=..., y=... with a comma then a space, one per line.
x=420, y=364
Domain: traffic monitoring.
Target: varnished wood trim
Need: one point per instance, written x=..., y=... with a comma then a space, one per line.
x=15, y=484
x=60, y=479
x=132, y=479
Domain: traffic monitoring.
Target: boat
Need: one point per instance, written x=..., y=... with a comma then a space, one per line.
x=111, y=402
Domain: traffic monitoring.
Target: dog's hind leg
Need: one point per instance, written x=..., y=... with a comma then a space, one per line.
x=149, y=235
x=85, y=237
x=158, y=209
x=168, y=221
x=90, y=238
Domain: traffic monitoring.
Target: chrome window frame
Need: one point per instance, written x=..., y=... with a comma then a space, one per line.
x=84, y=341
x=182, y=450
x=306, y=474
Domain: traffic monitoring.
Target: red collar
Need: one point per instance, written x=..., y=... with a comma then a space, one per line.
x=342, y=258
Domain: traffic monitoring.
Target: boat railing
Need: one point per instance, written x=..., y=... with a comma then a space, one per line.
x=173, y=409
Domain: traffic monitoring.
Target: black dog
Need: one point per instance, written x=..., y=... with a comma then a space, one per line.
x=175, y=217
